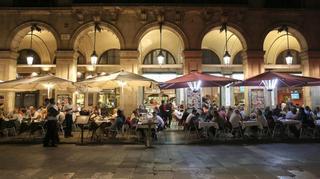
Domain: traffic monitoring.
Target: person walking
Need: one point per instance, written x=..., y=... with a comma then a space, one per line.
x=52, y=120
x=67, y=108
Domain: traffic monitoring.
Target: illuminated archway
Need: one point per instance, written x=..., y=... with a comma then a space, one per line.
x=108, y=38
x=44, y=42
x=172, y=42
x=215, y=41
x=275, y=43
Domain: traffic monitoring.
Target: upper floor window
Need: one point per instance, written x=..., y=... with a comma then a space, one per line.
x=151, y=57
x=238, y=60
x=24, y=53
x=81, y=58
x=209, y=57
x=111, y=56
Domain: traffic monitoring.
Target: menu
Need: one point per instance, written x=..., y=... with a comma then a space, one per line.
x=193, y=99
x=257, y=98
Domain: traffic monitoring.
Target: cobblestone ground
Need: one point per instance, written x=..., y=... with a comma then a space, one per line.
x=162, y=161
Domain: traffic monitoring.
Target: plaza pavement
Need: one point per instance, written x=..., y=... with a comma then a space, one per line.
x=161, y=161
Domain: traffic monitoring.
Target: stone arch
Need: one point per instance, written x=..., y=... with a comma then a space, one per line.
x=293, y=29
x=46, y=42
x=110, y=38
x=236, y=40
x=88, y=26
x=231, y=27
x=148, y=38
x=274, y=43
x=166, y=25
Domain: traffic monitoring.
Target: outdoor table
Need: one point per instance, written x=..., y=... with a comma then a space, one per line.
x=287, y=123
x=147, y=126
x=99, y=122
x=245, y=124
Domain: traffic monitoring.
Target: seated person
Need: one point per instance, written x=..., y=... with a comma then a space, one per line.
x=242, y=112
x=305, y=119
x=134, y=119
x=269, y=117
x=184, y=117
x=16, y=115
x=114, y=113
x=317, y=113
x=235, y=119
x=35, y=115
x=292, y=114
x=218, y=119
x=157, y=119
x=119, y=120
x=84, y=112
x=262, y=122
x=205, y=115
x=178, y=114
x=190, y=116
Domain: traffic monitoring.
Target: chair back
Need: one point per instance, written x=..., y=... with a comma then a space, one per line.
x=82, y=119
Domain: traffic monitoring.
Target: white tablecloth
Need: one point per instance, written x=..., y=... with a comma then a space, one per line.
x=101, y=121
x=146, y=125
x=289, y=121
x=208, y=124
x=245, y=124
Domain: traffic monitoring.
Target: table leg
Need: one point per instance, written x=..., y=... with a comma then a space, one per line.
x=81, y=134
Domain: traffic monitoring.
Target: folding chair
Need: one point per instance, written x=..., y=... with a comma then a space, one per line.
x=237, y=130
x=306, y=131
x=191, y=127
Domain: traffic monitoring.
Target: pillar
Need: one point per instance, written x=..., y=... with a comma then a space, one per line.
x=130, y=97
x=311, y=67
x=8, y=71
x=192, y=61
x=253, y=64
x=66, y=67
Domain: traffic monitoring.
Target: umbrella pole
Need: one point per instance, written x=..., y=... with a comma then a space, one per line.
x=48, y=90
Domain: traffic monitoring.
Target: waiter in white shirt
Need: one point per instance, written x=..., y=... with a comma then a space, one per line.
x=67, y=108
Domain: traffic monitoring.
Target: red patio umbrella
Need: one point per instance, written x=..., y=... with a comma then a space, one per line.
x=196, y=79
x=275, y=79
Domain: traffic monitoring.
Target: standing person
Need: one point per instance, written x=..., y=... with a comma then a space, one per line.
x=163, y=111
x=67, y=108
x=169, y=113
x=52, y=120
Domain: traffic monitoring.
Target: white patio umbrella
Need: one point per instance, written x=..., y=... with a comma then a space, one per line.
x=119, y=79
x=47, y=82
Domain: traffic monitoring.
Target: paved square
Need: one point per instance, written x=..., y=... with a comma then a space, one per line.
x=162, y=161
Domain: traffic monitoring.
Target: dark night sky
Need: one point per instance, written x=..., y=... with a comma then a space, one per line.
x=263, y=3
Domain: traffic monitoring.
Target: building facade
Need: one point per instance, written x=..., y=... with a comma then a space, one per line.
x=130, y=40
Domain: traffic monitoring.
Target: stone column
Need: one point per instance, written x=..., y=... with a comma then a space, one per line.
x=66, y=67
x=253, y=64
x=311, y=67
x=129, y=96
x=192, y=61
x=8, y=71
